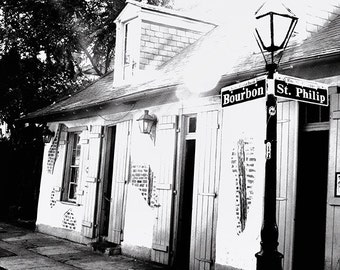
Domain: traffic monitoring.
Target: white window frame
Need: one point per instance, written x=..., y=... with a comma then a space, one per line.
x=68, y=179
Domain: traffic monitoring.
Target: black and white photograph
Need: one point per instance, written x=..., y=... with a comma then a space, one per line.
x=169, y=135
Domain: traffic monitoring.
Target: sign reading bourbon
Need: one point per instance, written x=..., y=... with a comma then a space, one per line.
x=244, y=91
x=301, y=90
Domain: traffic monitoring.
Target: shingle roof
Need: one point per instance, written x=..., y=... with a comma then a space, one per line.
x=324, y=42
x=218, y=54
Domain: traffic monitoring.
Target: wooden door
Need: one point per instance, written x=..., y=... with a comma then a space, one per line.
x=166, y=147
x=206, y=177
x=120, y=177
x=287, y=142
x=90, y=187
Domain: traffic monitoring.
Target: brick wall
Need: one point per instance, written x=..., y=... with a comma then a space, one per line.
x=143, y=178
x=69, y=221
x=243, y=166
x=159, y=43
x=53, y=151
x=140, y=177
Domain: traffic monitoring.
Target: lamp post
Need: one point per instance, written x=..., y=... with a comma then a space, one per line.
x=274, y=28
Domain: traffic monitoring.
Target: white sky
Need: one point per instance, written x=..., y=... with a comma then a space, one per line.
x=240, y=13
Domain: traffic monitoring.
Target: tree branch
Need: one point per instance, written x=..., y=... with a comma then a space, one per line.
x=89, y=56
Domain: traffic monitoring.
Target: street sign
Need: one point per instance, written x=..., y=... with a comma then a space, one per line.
x=244, y=91
x=301, y=90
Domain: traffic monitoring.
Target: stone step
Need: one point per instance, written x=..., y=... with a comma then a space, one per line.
x=106, y=248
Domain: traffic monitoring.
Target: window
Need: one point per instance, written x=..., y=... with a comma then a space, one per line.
x=311, y=113
x=71, y=177
x=126, y=45
x=130, y=49
x=190, y=122
x=314, y=117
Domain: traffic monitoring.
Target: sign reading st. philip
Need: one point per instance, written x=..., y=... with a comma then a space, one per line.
x=244, y=91
x=301, y=90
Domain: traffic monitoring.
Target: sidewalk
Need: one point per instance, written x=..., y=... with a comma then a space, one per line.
x=21, y=248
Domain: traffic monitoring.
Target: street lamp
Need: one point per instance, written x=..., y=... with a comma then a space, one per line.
x=146, y=122
x=274, y=27
x=47, y=134
x=273, y=31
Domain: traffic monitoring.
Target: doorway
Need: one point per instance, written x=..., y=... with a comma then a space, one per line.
x=105, y=196
x=311, y=196
x=186, y=196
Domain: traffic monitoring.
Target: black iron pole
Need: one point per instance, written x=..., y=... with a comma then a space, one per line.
x=269, y=258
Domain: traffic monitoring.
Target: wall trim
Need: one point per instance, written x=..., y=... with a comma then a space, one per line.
x=63, y=233
x=225, y=267
x=138, y=252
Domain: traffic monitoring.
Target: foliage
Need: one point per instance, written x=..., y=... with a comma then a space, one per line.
x=43, y=47
x=39, y=44
x=163, y=3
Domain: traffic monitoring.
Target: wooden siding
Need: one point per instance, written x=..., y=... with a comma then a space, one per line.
x=206, y=175
x=91, y=181
x=166, y=147
x=332, y=246
x=120, y=177
x=287, y=134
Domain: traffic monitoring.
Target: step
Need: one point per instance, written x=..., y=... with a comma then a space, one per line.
x=106, y=248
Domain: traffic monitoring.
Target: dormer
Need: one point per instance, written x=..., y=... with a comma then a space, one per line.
x=148, y=36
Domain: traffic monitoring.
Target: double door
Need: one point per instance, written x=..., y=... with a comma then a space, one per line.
x=185, y=223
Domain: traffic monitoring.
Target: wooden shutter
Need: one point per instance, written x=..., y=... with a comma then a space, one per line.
x=90, y=187
x=206, y=176
x=121, y=166
x=84, y=163
x=166, y=147
x=287, y=139
x=62, y=149
x=332, y=241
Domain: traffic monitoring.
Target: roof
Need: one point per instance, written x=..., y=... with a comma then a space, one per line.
x=221, y=53
x=174, y=12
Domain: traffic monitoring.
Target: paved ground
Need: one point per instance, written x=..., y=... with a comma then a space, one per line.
x=25, y=249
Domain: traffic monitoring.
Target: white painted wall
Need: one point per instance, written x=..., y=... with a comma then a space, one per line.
x=52, y=215
x=139, y=215
x=245, y=121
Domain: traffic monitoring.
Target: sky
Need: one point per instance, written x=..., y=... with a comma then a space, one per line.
x=241, y=12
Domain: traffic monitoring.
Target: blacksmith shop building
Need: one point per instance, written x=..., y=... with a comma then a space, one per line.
x=173, y=195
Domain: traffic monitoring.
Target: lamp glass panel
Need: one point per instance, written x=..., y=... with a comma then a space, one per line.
x=141, y=126
x=263, y=28
x=281, y=28
x=146, y=126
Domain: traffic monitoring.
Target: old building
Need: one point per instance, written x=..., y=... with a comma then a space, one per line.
x=173, y=196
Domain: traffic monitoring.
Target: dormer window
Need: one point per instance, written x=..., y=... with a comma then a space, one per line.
x=126, y=52
x=148, y=36
x=130, y=49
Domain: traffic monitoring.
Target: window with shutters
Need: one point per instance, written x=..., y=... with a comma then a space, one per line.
x=71, y=174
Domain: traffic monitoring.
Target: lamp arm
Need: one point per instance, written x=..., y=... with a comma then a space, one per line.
x=287, y=38
x=258, y=44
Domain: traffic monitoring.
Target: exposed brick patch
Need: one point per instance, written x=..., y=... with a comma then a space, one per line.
x=69, y=222
x=53, y=199
x=143, y=178
x=164, y=40
x=243, y=166
x=53, y=151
